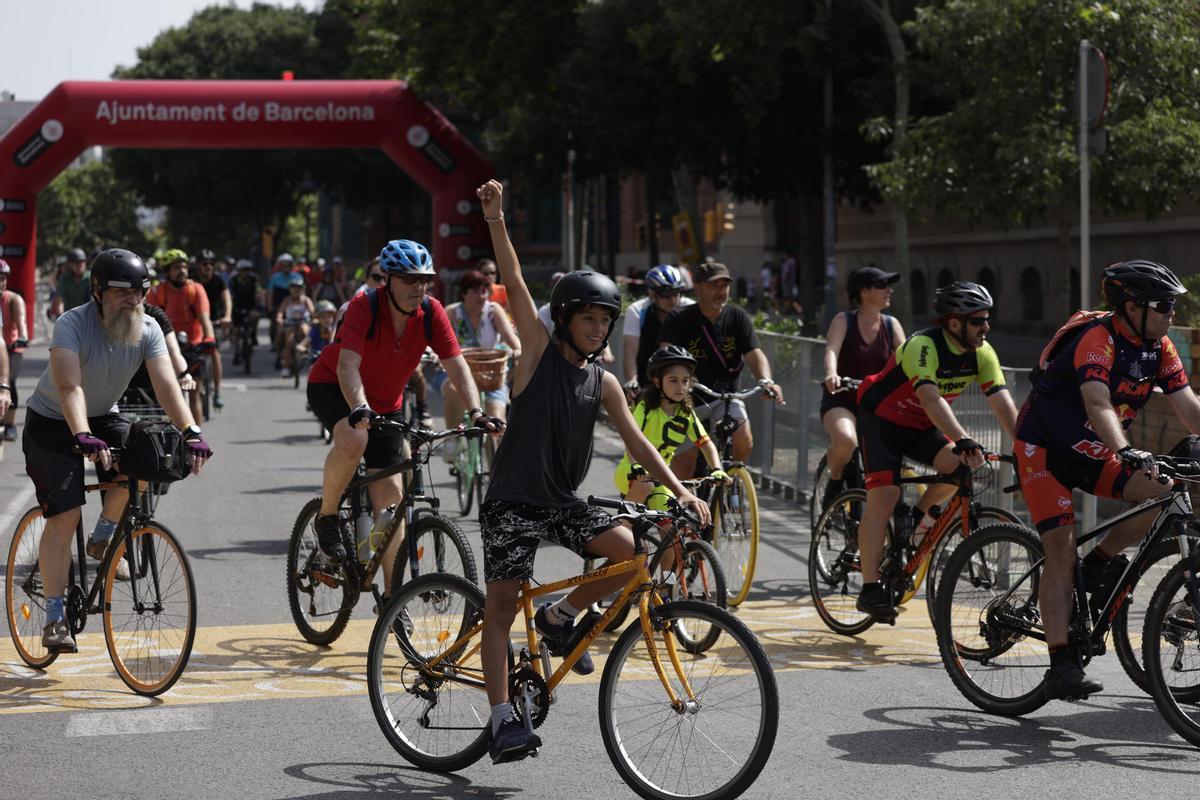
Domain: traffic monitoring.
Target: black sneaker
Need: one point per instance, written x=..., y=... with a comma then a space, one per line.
x=511, y=742
x=329, y=538
x=832, y=490
x=1068, y=682
x=558, y=640
x=874, y=600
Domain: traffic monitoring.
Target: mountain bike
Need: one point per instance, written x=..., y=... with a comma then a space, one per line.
x=675, y=725
x=148, y=608
x=988, y=623
x=689, y=568
x=322, y=598
x=835, y=567
x=734, y=506
x=853, y=474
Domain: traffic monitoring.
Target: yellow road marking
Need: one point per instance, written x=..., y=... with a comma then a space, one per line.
x=268, y=662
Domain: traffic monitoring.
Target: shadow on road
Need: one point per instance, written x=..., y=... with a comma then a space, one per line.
x=357, y=780
x=246, y=547
x=307, y=488
x=1131, y=735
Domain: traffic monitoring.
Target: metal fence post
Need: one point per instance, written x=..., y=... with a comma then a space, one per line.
x=803, y=402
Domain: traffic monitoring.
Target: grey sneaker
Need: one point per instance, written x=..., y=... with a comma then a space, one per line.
x=512, y=742
x=97, y=550
x=57, y=638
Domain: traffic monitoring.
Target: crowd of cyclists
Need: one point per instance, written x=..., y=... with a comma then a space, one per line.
x=128, y=324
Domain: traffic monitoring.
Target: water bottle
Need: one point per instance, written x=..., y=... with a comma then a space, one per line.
x=379, y=532
x=733, y=501
x=362, y=536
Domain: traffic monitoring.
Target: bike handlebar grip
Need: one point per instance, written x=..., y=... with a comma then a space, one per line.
x=1016, y=487
x=605, y=502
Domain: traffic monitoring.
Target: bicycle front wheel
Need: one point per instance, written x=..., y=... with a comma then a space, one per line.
x=951, y=539
x=1171, y=654
x=1131, y=618
x=735, y=530
x=436, y=717
x=150, y=620
x=321, y=602
x=987, y=618
x=835, y=566
x=24, y=598
x=464, y=474
x=715, y=740
x=700, y=578
x=442, y=548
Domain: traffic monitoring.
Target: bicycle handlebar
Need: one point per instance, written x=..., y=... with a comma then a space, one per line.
x=742, y=395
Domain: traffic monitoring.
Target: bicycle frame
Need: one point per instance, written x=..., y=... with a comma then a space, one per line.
x=1176, y=506
x=639, y=582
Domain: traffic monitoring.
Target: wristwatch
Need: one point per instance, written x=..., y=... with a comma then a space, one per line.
x=192, y=430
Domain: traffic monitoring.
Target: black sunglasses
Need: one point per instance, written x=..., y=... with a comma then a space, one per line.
x=413, y=280
x=668, y=292
x=878, y=284
x=978, y=322
x=1161, y=306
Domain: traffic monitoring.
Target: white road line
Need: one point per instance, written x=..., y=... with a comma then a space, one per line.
x=17, y=505
x=233, y=387
x=158, y=720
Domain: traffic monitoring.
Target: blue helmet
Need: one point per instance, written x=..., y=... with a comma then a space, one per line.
x=404, y=257
x=665, y=276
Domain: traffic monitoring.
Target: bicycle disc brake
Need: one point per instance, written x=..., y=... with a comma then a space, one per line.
x=528, y=689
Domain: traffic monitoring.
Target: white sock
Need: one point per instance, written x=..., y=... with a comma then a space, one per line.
x=500, y=714
x=564, y=613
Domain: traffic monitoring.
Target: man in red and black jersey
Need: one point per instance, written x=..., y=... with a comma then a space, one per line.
x=362, y=374
x=1071, y=434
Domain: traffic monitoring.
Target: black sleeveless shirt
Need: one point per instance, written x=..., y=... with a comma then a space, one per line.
x=545, y=452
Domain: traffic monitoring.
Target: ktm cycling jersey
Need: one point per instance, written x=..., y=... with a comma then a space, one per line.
x=1108, y=352
x=927, y=358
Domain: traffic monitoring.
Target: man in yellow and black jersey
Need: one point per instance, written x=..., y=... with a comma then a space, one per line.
x=904, y=410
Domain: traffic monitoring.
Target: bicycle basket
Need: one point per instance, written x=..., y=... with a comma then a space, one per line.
x=489, y=366
x=155, y=451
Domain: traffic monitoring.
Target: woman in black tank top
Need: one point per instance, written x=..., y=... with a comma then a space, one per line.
x=858, y=343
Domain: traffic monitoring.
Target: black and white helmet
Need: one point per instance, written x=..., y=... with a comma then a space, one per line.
x=121, y=269
x=1140, y=281
x=961, y=298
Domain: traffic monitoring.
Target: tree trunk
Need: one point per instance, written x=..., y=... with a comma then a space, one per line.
x=651, y=221
x=684, y=182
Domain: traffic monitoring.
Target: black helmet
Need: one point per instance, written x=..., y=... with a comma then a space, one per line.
x=576, y=290
x=961, y=298
x=76, y=254
x=206, y=255
x=669, y=355
x=1139, y=281
x=121, y=269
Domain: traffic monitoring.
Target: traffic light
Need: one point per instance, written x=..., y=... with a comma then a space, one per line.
x=727, y=217
x=711, y=225
x=268, y=242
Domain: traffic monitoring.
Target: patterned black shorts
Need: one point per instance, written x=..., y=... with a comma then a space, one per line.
x=511, y=532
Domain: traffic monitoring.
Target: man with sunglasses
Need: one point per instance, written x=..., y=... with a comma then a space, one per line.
x=643, y=321
x=904, y=410
x=1071, y=434
x=362, y=373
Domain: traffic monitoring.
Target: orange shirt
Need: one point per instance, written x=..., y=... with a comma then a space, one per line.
x=500, y=295
x=183, y=306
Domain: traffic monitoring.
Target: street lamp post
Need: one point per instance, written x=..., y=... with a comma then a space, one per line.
x=307, y=187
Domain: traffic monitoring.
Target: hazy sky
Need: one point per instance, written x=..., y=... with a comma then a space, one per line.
x=48, y=41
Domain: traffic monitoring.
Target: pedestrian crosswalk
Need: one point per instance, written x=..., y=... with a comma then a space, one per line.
x=246, y=663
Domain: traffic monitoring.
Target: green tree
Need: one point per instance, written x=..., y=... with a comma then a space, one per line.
x=222, y=199
x=92, y=208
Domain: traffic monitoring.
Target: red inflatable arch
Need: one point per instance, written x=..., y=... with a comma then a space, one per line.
x=246, y=115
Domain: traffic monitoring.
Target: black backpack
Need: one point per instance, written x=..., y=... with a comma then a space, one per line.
x=155, y=451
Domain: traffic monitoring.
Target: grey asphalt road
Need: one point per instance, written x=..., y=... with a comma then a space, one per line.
x=872, y=716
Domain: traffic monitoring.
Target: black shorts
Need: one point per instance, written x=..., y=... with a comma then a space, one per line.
x=511, y=533
x=884, y=446
x=51, y=461
x=240, y=313
x=846, y=400
x=327, y=402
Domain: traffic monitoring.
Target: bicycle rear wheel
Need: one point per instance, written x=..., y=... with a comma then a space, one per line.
x=442, y=548
x=820, y=482
x=835, y=567
x=717, y=744
x=247, y=343
x=321, y=603
x=150, y=638
x=24, y=598
x=951, y=539
x=735, y=532
x=435, y=717
x=464, y=474
x=987, y=611
x=1131, y=618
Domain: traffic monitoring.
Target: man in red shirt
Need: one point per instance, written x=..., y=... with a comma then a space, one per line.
x=186, y=304
x=362, y=374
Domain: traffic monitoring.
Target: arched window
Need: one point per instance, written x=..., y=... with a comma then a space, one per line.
x=987, y=279
x=1031, y=295
x=945, y=277
x=918, y=293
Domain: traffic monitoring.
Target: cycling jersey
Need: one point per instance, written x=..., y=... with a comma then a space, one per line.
x=215, y=289
x=1054, y=416
x=387, y=361
x=927, y=358
x=183, y=306
x=244, y=292
x=665, y=432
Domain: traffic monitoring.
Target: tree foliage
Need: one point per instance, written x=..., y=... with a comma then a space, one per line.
x=222, y=199
x=89, y=207
x=1003, y=152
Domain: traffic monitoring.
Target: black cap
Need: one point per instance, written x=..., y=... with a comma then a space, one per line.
x=76, y=254
x=866, y=275
x=711, y=271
